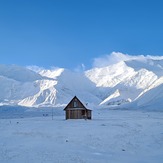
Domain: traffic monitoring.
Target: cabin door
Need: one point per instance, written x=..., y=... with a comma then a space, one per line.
x=83, y=112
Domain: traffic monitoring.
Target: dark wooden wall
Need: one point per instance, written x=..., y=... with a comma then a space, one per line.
x=78, y=114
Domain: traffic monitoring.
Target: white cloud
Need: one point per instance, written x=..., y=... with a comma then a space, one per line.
x=116, y=57
x=80, y=68
x=39, y=69
x=35, y=68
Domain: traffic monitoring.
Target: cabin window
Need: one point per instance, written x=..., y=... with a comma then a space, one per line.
x=75, y=104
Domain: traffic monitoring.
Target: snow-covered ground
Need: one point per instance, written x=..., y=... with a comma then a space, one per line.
x=112, y=136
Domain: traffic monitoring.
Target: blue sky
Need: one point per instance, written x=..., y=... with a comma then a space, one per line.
x=67, y=33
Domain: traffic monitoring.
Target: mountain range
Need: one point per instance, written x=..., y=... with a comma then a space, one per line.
x=131, y=83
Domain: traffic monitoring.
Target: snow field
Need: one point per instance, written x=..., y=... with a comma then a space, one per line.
x=112, y=136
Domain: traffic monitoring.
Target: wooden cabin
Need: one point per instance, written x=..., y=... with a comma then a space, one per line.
x=76, y=110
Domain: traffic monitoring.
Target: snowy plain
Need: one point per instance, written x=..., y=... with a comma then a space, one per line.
x=125, y=93
x=112, y=136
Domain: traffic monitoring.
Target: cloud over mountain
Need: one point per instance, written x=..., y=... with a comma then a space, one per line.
x=117, y=80
x=116, y=57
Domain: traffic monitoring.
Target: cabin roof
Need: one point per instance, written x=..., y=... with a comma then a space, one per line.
x=75, y=108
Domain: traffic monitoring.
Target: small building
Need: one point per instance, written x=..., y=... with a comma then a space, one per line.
x=76, y=110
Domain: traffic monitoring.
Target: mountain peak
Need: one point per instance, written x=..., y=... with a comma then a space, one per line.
x=127, y=80
x=18, y=73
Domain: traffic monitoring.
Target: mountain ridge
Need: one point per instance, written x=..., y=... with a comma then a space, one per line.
x=121, y=84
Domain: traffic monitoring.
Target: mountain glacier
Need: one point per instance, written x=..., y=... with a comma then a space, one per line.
x=133, y=82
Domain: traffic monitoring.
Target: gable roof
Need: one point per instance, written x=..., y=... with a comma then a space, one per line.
x=71, y=104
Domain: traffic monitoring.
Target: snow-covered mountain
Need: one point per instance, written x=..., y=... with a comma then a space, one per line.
x=129, y=81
